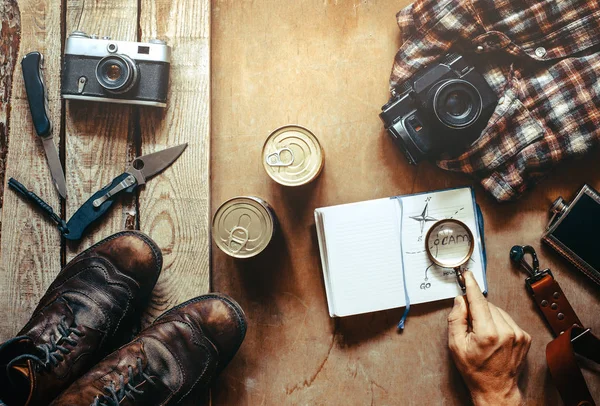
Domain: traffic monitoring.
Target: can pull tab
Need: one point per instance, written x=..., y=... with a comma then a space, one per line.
x=275, y=159
x=238, y=238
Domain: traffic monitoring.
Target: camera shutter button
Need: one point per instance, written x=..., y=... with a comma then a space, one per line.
x=157, y=41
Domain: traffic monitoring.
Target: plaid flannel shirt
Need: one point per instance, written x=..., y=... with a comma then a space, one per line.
x=540, y=57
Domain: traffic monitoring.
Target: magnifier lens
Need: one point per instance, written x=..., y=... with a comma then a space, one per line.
x=450, y=243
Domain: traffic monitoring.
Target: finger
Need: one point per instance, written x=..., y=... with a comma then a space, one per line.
x=519, y=333
x=458, y=325
x=502, y=326
x=478, y=305
x=522, y=338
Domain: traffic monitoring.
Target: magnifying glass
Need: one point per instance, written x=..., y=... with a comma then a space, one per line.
x=450, y=244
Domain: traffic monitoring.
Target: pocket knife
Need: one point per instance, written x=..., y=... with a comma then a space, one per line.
x=37, y=97
x=141, y=169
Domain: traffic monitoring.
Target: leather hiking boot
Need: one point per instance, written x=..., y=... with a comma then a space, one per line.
x=173, y=361
x=86, y=312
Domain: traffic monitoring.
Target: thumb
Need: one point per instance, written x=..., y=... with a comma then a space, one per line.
x=458, y=325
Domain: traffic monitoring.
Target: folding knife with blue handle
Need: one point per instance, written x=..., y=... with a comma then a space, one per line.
x=141, y=169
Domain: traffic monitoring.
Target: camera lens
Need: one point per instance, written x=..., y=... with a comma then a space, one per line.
x=116, y=73
x=457, y=104
x=113, y=72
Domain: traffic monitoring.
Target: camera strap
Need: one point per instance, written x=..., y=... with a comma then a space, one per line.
x=571, y=337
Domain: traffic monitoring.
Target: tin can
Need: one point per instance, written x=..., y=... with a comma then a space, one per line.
x=244, y=226
x=292, y=156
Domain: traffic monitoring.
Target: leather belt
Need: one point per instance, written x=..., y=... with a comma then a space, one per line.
x=571, y=337
x=553, y=304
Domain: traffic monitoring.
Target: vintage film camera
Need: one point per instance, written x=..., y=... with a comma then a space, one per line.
x=443, y=108
x=101, y=69
x=573, y=231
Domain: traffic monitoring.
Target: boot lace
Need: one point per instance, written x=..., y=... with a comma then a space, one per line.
x=114, y=394
x=54, y=351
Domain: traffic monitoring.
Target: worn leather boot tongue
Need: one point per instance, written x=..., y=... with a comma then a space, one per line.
x=21, y=376
x=16, y=371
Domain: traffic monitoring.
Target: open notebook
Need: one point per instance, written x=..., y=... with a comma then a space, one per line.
x=373, y=252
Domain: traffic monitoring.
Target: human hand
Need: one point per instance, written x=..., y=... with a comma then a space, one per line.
x=487, y=346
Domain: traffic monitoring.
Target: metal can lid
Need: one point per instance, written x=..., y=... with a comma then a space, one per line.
x=292, y=156
x=243, y=226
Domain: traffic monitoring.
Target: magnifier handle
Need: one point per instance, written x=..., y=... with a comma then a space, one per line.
x=460, y=277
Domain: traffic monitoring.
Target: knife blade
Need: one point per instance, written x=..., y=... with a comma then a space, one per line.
x=58, y=177
x=156, y=162
x=140, y=170
x=37, y=97
x=143, y=168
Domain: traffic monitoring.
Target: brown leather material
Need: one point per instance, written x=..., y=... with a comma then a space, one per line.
x=571, y=338
x=88, y=311
x=567, y=377
x=221, y=319
x=171, y=362
x=554, y=305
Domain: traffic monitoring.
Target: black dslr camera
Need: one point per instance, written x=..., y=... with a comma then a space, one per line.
x=443, y=108
x=102, y=69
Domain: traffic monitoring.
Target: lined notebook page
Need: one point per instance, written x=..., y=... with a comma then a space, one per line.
x=425, y=281
x=361, y=256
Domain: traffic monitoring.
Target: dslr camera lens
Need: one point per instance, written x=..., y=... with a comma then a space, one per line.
x=457, y=104
x=116, y=73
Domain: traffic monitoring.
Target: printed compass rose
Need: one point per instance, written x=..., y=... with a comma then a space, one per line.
x=424, y=217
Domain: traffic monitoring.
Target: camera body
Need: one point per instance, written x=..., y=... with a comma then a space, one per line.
x=100, y=69
x=443, y=108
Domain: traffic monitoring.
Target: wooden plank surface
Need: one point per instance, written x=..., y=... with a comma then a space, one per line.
x=174, y=206
x=100, y=140
x=325, y=65
x=99, y=137
x=30, y=244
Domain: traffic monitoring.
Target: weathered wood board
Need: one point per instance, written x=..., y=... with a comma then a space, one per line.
x=325, y=65
x=174, y=208
x=98, y=141
x=30, y=253
x=99, y=137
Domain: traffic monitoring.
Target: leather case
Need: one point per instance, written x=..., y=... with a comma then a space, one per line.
x=573, y=231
